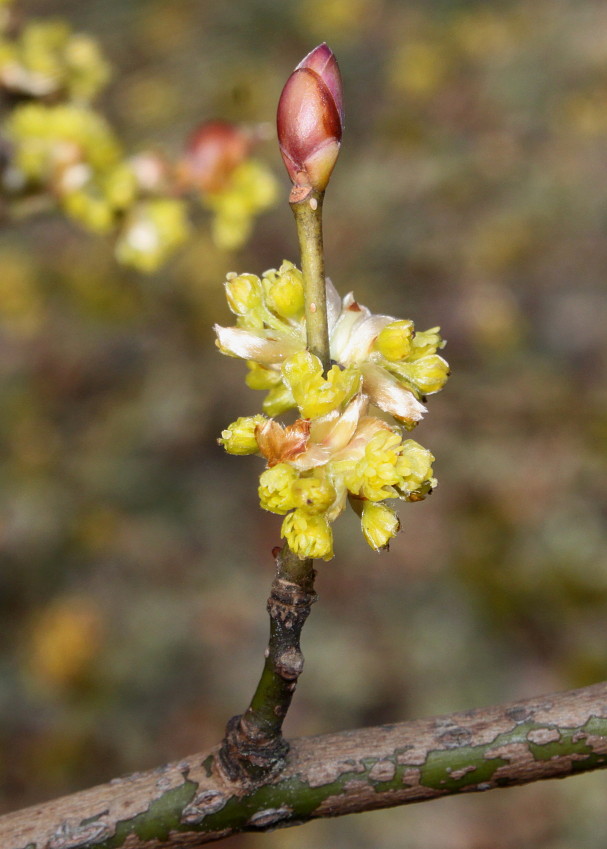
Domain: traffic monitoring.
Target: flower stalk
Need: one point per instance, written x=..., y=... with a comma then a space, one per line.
x=308, y=220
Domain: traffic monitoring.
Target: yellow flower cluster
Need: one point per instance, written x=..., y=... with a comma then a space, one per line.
x=70, y=151
x=336, y=452
x=249, y=190
x=47, y=58
x=396, y=365
x=65, y=153
x=365, y=464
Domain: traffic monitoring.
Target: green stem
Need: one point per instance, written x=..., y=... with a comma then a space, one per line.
x=308, y=218
x=254, y=747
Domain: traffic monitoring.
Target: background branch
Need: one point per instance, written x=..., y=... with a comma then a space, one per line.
x=191, y=802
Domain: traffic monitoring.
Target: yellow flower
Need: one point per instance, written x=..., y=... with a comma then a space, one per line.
x=308, y=535
x=239, y=437
x=48, y=58
x=379, y=524
x=151, y=232
x=49, y=141
x=275, y=493
x=375, y=475
x=414, y=465
x=249, y=190
x=397, y=366
x=244, y=294
x=314, y=466
x=284, y=291
x=395, y=340
x=314, y=394
x=313, y=494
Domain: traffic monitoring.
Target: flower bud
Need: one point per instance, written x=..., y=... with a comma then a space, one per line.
x=275, y=489
x=308, y=535
x=213, y=152
x=394, y=341
x=379, y=524
x=310, y=119
x=314, y=394
x=415, y=468
x=239, y=437
x=313, y=495
x=429, y=374
x=244, y=293
x=284, y=290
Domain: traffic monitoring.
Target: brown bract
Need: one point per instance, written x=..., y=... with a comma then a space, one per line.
x=279, y=444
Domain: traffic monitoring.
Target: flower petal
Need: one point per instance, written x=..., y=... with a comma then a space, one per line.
x=358, y=347
x=331, y=433
x=333, y=304
x=389, y=395
x=261, y=346
x=352, y=314
x=343, y=428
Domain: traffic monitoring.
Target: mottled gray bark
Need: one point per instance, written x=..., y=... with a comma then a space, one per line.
x=193, y=801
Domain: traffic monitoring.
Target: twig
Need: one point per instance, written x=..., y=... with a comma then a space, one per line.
x=254, y=747
x=189, y=803
x=308, y=218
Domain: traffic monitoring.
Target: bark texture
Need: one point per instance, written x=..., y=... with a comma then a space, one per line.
x=192, y=802
x=254, y=748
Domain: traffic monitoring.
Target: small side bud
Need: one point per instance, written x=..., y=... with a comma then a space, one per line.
x=310, y=120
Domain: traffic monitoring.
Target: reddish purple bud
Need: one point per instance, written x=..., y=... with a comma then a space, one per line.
x=212, y=152
x=310, y=119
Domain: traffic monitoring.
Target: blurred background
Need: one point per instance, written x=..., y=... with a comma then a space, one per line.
x=471, y=192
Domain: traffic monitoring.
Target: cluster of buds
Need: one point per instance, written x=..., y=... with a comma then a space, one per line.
x=336, y=451
x=386, y=359
x=47, y=59
x=69, y=151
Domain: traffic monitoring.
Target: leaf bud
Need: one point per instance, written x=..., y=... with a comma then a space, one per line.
x=310, y=120
x=213, y=151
